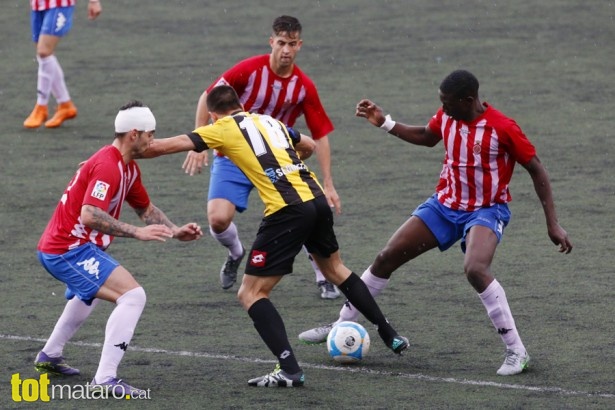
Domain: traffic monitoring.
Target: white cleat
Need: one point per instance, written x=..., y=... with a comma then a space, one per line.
x=514, y=363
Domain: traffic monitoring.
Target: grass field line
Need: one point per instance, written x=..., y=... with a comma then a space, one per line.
x=348, y=369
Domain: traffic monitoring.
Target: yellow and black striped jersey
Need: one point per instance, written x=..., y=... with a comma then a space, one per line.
x=262, y=148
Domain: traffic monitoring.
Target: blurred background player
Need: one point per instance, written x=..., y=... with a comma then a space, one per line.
x=50, y=21
x=73, y=246
x=269, y=84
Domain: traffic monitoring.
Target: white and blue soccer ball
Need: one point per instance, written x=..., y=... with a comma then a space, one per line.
x=348, y=342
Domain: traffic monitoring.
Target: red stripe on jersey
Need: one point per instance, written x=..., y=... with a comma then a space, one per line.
x=40, y=5
x=479, y=159
x=262, y=91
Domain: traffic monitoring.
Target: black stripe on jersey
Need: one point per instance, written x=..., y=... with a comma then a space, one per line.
x=199, y=144
x=304, y=173
x=268, y=161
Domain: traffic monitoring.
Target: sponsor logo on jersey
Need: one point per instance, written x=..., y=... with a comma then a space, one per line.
x=275, y=174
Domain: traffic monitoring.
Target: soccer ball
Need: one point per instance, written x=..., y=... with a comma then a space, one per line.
x=348, y=342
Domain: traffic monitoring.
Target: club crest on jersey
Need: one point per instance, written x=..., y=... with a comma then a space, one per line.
x=476, y=149
x=258, y=259
x=100, y=190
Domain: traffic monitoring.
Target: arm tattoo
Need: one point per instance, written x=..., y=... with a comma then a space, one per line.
x=152, y=215
x=105, y=223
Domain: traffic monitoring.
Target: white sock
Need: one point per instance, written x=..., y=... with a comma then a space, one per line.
x=230, y=240
x=58, y=86
x=319, y=276
x=375, y=285
x=74, y=314
x=46, y=71
x=494, y=299
x=118, y=334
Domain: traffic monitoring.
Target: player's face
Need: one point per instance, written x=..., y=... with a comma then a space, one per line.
x=284, y=48
x=143, y=141
x=455, y=107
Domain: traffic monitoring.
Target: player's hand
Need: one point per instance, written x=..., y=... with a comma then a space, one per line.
x=559, y=237
x=189, y=232
x=194, y=162
x=94, y=9
x=154, y=232
x=333, y=198
x=370, y=111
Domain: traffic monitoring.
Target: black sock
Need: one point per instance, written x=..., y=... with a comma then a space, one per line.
x=270, y=327
x=358, y=294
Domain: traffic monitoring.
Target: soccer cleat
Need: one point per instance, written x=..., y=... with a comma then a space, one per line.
x=65, y=111
x=399, y=344
x=278, y=378
x=514, y=363
x=116, y=387
x=316, y=335
x=53, y=365
x=328, y=290
x=37, y=117
x=228, y=273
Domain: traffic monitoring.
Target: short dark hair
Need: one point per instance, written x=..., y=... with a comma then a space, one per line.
x=460, y=84
x=286, y=24
x=223, y=99
x=132, y=104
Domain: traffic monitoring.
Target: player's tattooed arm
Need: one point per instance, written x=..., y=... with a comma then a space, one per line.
x=153, y=215
x=97, y=219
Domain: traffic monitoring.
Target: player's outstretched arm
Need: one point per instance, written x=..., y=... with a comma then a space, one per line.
x=97, y=219
x=166, y=146
x=152, y=215
x=418, y=135
x=542, y=186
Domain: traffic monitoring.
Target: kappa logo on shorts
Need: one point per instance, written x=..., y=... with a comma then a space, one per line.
x=90, y=266
x=258, y=259
x=100, y=190
x=60, y=22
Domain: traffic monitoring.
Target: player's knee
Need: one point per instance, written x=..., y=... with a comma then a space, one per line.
x=134, y=297
x=243, y=296
x=43, y=51
x=218, y=223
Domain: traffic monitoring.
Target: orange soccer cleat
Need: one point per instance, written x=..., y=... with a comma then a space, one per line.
x=37, y=117
x=65, y=111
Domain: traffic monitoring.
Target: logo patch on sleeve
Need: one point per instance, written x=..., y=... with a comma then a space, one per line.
x=100, y=190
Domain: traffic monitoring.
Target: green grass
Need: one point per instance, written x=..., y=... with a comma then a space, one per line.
x=547, y=64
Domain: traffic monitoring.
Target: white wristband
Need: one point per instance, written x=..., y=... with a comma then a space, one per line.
x=388, y=123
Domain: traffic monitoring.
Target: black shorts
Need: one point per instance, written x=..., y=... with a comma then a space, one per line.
x=281, y=236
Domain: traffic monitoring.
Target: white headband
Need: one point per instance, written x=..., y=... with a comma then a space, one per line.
x=135, y=118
